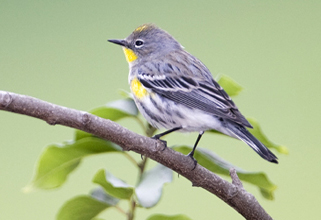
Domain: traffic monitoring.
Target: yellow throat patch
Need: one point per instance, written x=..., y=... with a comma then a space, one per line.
x=137, y=88
x=129, y=54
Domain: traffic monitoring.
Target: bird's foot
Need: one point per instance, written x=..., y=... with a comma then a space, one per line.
x=156, y=137
x=191, y=155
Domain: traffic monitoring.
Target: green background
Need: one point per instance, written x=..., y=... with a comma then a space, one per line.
x=58, y=51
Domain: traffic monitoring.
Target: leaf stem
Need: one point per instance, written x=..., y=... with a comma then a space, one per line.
x=120, y=210
x=141, y=123
x=149, y=131
x=132, y=206
x=142, y=166
x=131, y=159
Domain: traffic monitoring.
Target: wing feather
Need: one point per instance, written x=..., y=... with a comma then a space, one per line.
x=203, y=95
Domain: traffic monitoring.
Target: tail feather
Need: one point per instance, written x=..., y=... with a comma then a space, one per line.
x=244, y=135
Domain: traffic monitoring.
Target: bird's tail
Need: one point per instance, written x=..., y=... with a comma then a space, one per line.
x=244, y=135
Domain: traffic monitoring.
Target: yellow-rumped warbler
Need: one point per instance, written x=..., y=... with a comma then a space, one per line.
x=174, y=90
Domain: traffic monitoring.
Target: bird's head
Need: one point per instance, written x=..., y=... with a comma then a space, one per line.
x=147, y=42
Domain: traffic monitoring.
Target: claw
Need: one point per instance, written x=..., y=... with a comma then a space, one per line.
x=164, y=142
x=158, y=136
x=191, y=155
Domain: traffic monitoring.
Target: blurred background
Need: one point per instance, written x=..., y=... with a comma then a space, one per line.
x=57, y=51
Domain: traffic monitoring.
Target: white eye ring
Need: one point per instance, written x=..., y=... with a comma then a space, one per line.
x=139, y=43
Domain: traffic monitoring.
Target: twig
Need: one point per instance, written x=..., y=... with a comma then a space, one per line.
x=235, y=179
x=231, y=193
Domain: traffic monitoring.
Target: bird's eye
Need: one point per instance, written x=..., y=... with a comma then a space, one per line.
x=139, y=43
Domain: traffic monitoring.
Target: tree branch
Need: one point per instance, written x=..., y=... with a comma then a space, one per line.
x=232, y=193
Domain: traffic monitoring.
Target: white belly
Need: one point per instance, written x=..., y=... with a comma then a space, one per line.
x=164, y=113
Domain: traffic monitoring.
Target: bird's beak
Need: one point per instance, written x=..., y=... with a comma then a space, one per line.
x=119, y=42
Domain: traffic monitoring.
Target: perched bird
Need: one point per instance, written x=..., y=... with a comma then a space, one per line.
x=174, y=90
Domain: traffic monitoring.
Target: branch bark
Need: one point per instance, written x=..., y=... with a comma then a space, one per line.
x=232, y=193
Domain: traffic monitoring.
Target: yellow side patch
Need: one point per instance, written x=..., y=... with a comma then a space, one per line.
x=129, y=54
x=137, y=88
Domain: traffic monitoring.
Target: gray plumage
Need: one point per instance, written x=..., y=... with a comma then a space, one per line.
x=181, y=92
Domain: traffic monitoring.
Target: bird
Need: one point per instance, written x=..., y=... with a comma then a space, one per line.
x=175, y=91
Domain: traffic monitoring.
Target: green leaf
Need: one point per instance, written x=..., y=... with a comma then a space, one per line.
x=58, y=161
x=117, y=110
x=81, y=134
x=257, y=132
x=149, y=190
x=168, y=217
x=217, y=165
x=81, y=208
x=267, y=194
x=114, y=111
x=231, y=87
x=112, y=185
x=125, y=93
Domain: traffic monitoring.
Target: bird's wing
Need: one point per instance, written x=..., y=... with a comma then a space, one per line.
x=200, y=94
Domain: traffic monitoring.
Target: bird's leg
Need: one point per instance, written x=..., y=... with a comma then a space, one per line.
x=158, y=136
x=191, y=154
